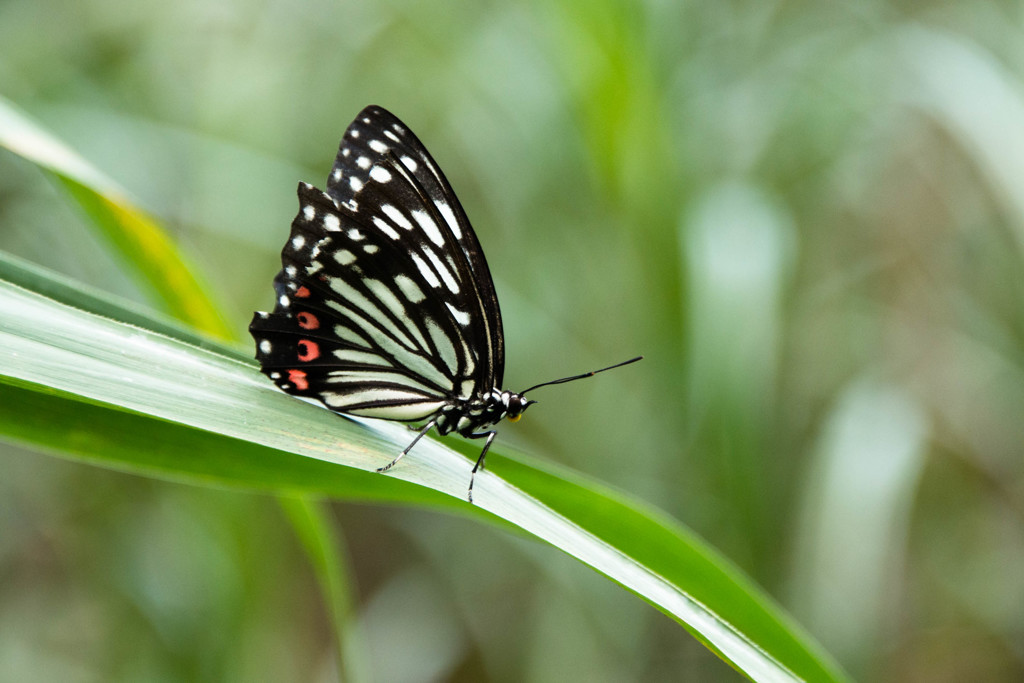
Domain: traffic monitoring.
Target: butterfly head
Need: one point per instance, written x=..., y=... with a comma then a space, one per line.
x=516, y=405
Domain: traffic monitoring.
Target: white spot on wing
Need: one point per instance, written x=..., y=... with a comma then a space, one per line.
x=344, y=257
x=355, y=235
x=331, y=222
x=353, y=356
x=396, y=216
x=298, y=242
x=380, y=174
x=451, y=261
x=409, y=288
x=386, y=296
x=391, y=136
x=429, y=226
x=266, y=346
x=444, y=345
x=449, y=216
x=411, y=410
x=371, y=248
x=461, y=317
x=377, y=146
x=359, y=377
x=349, y=335
x=442, y=270
x=425, y=271
x=355, y=183
x=410, y=164
x=384, y=227
x=363, y=162
x=308, y=212
x=284, y=301
x=336, y=174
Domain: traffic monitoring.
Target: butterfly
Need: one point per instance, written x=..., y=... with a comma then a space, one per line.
x=385, y=304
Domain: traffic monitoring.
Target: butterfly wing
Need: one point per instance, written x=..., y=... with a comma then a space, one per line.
x=384, y=309
x=382, y=167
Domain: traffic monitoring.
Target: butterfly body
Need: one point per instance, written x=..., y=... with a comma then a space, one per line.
x=385, y=304
x=469, y=417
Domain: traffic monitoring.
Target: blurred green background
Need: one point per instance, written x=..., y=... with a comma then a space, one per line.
x=809, y=217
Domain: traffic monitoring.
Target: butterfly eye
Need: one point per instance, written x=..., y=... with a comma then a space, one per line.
x=516, y=406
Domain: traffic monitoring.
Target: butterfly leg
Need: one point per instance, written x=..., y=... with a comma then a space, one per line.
x=480, y=461
x=426, y=428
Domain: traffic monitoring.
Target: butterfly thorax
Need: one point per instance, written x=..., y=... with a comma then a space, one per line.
x=469, y=417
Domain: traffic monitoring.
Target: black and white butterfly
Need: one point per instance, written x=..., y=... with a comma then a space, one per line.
x=385, y=305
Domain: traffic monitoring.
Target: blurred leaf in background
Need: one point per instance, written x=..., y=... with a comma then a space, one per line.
x=807, y=217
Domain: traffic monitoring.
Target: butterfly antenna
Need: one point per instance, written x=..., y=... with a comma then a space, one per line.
x=584, y=375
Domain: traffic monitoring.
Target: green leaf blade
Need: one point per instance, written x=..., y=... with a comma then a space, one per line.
x=150, y=403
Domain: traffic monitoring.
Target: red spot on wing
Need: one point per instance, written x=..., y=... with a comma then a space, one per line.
x=298, y=378
x=307, y=320
x=302, y=292
x=308, y=350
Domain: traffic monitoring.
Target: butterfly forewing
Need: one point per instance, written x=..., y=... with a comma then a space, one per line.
x=388, y=180
x=366, y=274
